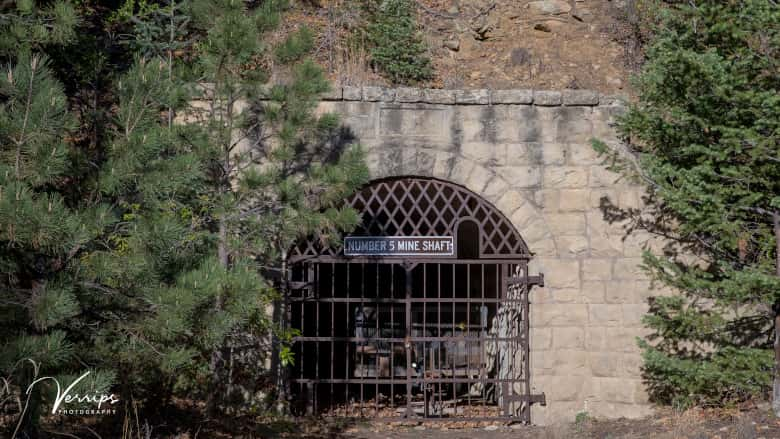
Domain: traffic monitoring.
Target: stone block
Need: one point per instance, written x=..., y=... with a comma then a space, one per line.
x=478, y=131
x=413, y=122
x=541, y=339
x=481, y=152
x=568, y=314
x=534, y=232
x=571, y=246
x=596, y=269
x=560, y=388
x=566, y=223
x=523, y=215
x=623, y=339
x=631, y=365
x=511, y=96
x=572, y=200
x=407, y=94
x=574, y=125
x=598, y=224
x=633, y=314
x=580, y=97
x=569, y=362
x=614, y=389
x=583, y=154
x=568, y=338
x=630, y=198
x=359, y=118
x=350, y=93
x=517, y=123
x=593, y=291
x=620, y=291
x=603, y=245
x=383, y=162
x=426, y=160
x=471, y=113
x=542, y=361
x=479, y=178
x=554, y=153
x=378, y=94
x=547, y=98
x=521, y=176
x=461, y=170
x=628, y=269
x=605, y=315
x=443, y=165
x=547, y=199
x=565, y=177
x=546, y=123
x=602, y=177
x=566, y=295
x=606, y=101
x=603, y=197
x=472, y=97
x=514, y=154
x=561, y=273
x=604, y=118
x=495, y=188
x=604, y=364
x=596, y=338
x=438, y=96
x=543, y=247
x=510, y=201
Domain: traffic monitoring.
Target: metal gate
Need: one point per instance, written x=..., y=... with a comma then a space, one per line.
x=392, y=338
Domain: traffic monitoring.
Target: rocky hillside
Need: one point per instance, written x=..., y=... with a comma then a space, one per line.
x=547, y=44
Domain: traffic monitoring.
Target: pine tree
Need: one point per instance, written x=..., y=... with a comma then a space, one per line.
x=278, y=170
x=41, y=235
x=705, y=136
x=90, y=250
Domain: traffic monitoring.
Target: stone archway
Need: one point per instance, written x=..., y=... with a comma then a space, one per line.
x=517, y=206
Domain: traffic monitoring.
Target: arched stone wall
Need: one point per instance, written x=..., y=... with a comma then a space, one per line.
x=529, y=153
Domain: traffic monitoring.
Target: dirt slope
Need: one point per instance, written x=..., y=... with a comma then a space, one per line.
x=542, y=44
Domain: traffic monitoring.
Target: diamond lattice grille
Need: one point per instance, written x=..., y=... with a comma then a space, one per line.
x=412, y=206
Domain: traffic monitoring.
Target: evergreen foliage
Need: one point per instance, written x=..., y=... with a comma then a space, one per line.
x=397, y=49
x=278, y=171
x=26, y=25
x=150, y=254
x=69, y=270
x=705, y=136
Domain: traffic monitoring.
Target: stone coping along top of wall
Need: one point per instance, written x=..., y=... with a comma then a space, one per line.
x=542, y=98
x=547, y=98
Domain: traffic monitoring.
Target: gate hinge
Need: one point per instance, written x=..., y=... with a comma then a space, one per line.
x=533, y=399
x=298, y=285
x=307, y=287
x=532, y=280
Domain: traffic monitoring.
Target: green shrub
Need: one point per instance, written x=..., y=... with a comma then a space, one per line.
x=396, y=48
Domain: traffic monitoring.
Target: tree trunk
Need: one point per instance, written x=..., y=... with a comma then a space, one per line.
x=776, y=309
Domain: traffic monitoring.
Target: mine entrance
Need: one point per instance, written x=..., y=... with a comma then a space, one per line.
x=406, y=335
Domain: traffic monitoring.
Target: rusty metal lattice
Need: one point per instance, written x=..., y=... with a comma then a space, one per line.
x=432, y=338
x=425, y=207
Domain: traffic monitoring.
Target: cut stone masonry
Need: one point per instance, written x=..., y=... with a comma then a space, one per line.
x=529, y=153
